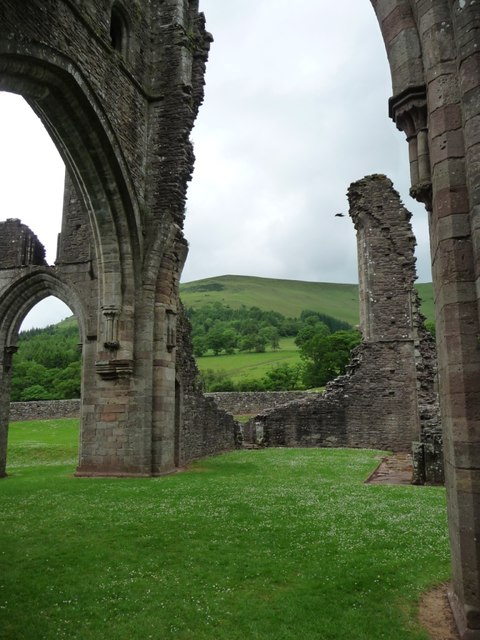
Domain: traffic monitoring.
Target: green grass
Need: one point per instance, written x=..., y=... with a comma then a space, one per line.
x=251, y=365
x=288, y=297
x=425, y=291
x=269, y=544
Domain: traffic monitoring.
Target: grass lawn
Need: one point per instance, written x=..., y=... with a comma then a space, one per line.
x=251, y=365
x=276, y=543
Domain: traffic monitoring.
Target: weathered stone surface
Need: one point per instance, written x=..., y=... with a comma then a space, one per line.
x=118, y=86
x=450, y=72
x=388, y=397
x=252, y=402
x=19, y=246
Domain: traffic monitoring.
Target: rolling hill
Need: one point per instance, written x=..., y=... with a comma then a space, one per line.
x=48, y=362
x=288, y=297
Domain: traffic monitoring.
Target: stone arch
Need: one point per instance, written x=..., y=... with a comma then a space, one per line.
x=122, y=126
x=29, y=289
x=81, y=130
x=15, y=302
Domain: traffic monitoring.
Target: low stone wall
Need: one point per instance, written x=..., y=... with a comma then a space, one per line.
x=235, y=403
x=253, y=402
x=44, y=410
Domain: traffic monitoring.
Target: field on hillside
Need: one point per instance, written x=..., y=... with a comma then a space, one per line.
x=251, y=365
x=48, y=363
x=289, y=297
x=269, y=544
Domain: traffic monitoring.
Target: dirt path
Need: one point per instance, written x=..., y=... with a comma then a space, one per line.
x=436, y=616
x=394, y=469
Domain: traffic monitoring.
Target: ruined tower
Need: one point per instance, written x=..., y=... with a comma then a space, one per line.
x=388, y=390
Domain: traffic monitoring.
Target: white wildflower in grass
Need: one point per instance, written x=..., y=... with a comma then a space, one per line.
x=277, y=543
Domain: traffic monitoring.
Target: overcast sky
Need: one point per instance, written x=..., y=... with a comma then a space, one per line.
x=296, y=108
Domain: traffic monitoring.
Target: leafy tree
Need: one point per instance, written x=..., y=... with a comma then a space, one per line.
x=251, y=384
x=47, y=365
x=247, y=342
x=200, y=345
x=283, y=377
x=311, y=330
x=216, y=380
x=35, y=392
x=327, y=355
x=260, y=343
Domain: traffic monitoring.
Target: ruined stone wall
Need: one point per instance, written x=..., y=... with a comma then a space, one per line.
x=19, y=246
x=233, y=402
x=376, y=404
x=251, y=402
x=203, y=428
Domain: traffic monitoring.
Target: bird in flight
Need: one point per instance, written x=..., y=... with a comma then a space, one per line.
x=339, y=215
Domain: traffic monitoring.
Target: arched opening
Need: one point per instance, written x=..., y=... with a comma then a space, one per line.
x=45, y=390
x=95, y=166
x=32, y=172
x=119, y=31
x=100, y=286
x=51, y=368
x=47, y=363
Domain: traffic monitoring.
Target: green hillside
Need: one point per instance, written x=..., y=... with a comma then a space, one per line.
x=226, y=312
x=288, y=297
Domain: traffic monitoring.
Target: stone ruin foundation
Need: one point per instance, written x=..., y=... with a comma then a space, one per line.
x=388, y=397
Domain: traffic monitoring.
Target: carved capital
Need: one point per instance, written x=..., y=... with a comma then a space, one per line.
x=8, y=354
x=110, y=314
x=409, y=112
x=422, y=192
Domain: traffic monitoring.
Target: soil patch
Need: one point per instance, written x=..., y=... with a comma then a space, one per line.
x=435, y=615
x=394, y=469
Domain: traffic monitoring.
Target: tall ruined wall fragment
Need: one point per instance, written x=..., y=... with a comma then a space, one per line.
x=19, y=246
x=203, y=428
x=391, y=375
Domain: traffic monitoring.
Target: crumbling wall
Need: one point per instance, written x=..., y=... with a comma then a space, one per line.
x=19, y=246
x=252, y=402
x=202, y=428
x=387, y=397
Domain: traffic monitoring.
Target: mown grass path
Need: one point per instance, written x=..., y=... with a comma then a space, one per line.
x=277, y=543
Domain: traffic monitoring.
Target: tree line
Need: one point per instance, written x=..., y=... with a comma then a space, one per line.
x=47, y=365
x=219, y=328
